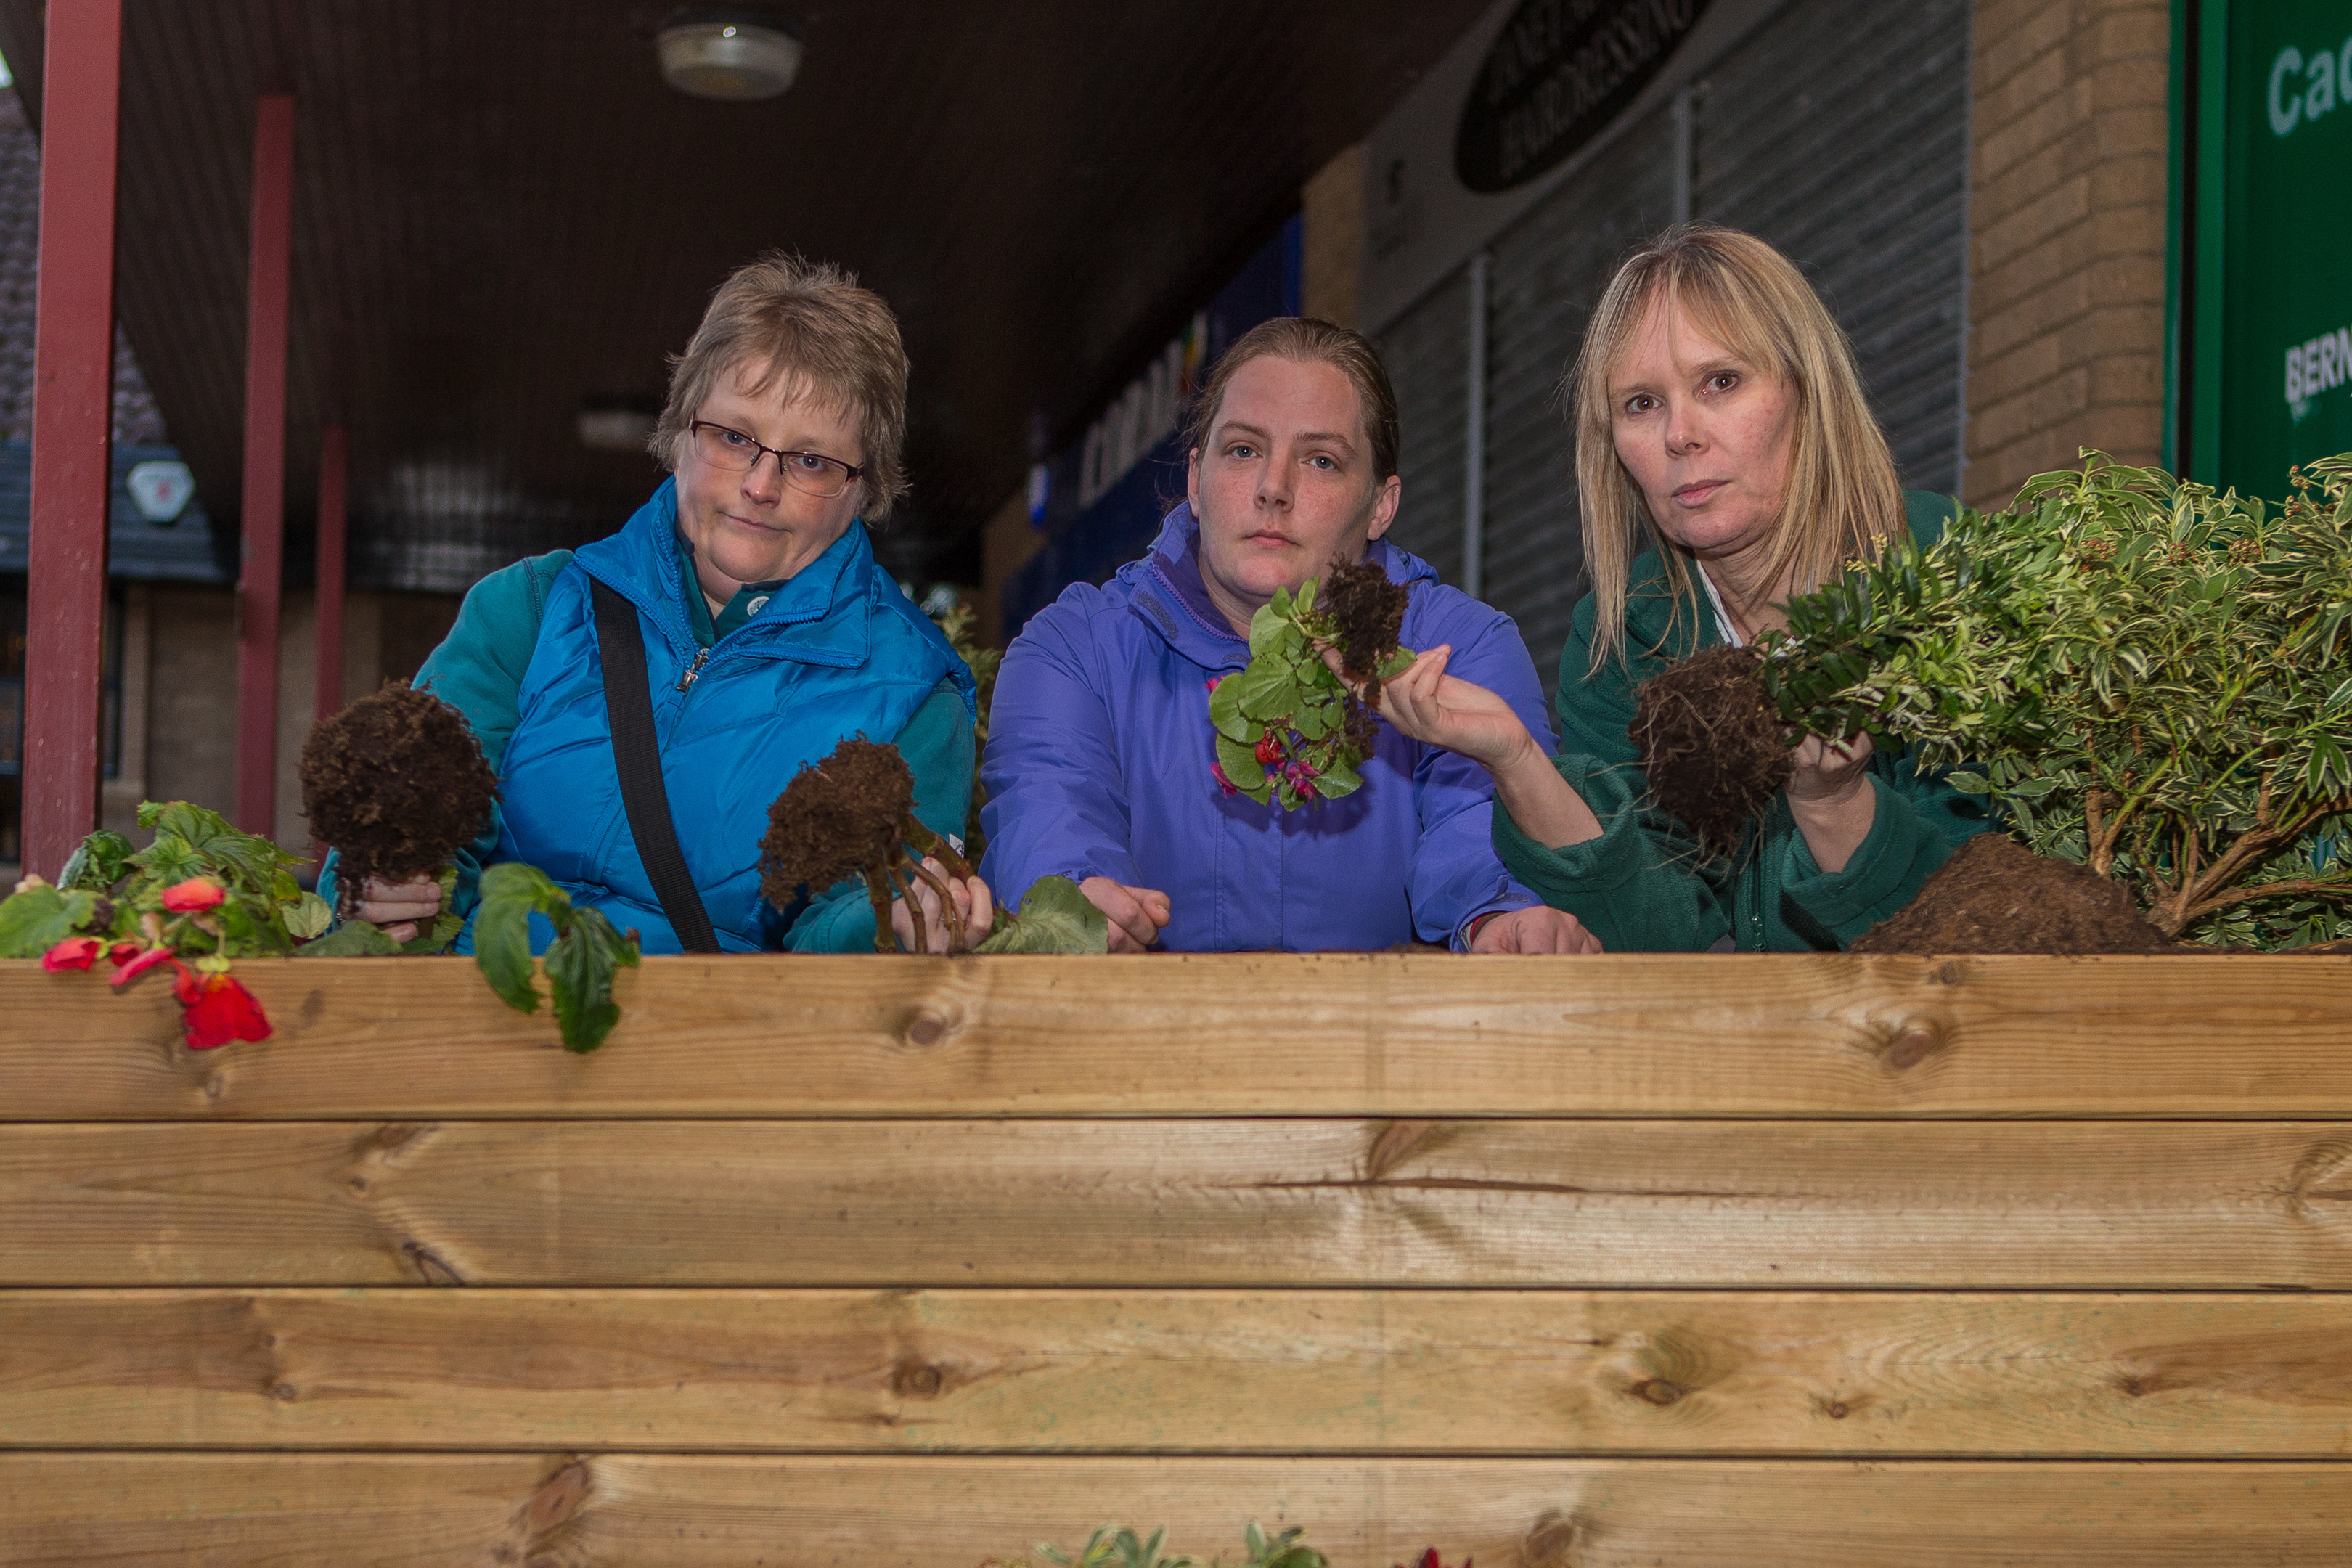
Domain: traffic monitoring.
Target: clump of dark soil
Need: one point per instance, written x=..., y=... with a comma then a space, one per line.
x=1368, y=611
x=1994, y=895
x=397, y=783
x=836, y=819
x=1710, y=742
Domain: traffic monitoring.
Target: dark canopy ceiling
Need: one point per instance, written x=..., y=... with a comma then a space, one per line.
x=501, y=212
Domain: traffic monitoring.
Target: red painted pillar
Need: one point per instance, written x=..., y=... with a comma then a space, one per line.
x=334, y=473
x=261, y=582
x=73, y=425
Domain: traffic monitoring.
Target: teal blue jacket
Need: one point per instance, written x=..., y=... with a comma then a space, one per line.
x=834, y=651
x=1642, y=887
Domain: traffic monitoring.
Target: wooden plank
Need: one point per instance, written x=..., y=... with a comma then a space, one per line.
x=1393, y=1034
x=711, y=1511
x=1233, y=1203
x=1419, y=1372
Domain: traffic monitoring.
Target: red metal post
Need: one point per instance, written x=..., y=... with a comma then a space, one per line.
x=259, y=585
x=334, y=470
x=73, y=425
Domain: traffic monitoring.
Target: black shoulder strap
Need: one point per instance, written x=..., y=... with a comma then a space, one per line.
x=629, y=709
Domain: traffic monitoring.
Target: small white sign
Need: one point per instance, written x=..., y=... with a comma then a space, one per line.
x=161, y=490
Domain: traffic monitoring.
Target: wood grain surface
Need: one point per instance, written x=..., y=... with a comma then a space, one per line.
x=709, y=1511
x=1389, y=1034
x=1435, y=1372
x=1233, y=1203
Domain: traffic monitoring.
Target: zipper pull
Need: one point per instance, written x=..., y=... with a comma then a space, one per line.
x=701, y=656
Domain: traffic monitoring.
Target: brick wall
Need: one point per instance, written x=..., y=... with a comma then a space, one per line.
x=2066, y=237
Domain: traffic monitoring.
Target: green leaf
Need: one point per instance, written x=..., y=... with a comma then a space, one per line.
x=171, y=858
x=1054, y=917
x=1267, y=625
x=579, y=967
x=308, y=917
x=1269, y=691
x=1225, y=711
x=436, y=935
x=37, y=920
x=511, y=892
x=1968, y=783
x=98, y=862
x=352, y=938
x=1240, y=761
x=1396, y=663
x=1338, y=779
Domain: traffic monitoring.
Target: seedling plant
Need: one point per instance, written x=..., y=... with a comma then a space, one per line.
x=1289, y=729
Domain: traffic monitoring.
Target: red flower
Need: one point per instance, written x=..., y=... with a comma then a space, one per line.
x=1222, y=781
x=195, y=894
x=1269, y=749
x=1430, y=1559
x=216, y=1009
x=74, y=953
x=131, y=962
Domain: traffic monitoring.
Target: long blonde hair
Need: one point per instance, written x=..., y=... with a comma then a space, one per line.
x=1844, y=500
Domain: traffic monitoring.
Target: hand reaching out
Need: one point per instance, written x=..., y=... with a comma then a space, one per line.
x=975, y=906
x=1440, y=709
x=1136, y=914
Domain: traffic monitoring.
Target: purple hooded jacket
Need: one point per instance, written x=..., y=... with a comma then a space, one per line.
x=1100, y=750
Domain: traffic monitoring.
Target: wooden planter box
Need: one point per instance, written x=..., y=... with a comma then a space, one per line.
x=1567, y=1263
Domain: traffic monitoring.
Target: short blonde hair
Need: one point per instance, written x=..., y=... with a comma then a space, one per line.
x=1844, y=500
x=808, y=321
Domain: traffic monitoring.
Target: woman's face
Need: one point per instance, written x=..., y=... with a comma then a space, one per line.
x=1705, y=435
x=1285, y=482
x=751, y=526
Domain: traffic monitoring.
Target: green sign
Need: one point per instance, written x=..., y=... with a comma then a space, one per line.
x=2269, y=355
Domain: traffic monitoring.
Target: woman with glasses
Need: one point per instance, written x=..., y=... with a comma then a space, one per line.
x=743, y=607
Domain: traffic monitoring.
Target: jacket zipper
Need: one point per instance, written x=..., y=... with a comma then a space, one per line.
x=701, y=658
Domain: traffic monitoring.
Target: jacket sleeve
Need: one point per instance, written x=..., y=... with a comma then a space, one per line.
x=477, y=670
x=1920, y=820
x=1456, y=876
x=1056, y=801
x=938, y=745
x=1640, y=886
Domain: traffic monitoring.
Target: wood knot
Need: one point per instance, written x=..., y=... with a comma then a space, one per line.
x=1835, y=1410
x=286, y=1393
x=213, y=1084
x=2132, y=1386
x=559, y=1496
x=1914, y=1043
x=1658, y=1391
x=429, y=1266
x=926, y=1030
x=916, y=1379
x=1556, y=1539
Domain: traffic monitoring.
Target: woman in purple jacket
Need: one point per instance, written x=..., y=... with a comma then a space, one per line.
x=1100, y=753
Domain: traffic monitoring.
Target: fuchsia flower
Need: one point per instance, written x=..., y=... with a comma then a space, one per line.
x=1430, y=1559
x=214, y=1010
x=74, y=953
x=193, y=896
x=1222, y=781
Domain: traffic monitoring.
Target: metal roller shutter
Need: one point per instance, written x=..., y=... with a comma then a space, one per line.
x=1550, y=268
x=1839, y=132
x=1427, y=352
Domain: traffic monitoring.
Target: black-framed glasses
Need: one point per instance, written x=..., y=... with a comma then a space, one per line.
x=811, y=473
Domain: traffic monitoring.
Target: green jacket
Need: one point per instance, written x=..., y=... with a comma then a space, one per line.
x=1641, y=887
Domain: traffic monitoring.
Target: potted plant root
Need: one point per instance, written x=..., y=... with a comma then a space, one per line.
x=397, y=783
x=1289, y=730
x=853, y=815
x=2143, y=678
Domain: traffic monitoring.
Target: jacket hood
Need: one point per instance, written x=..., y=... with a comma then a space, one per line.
x=799, y=621
x=1168, y=595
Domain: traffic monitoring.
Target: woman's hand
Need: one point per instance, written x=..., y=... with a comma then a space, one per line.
x=398, y=905
x=1136, y=915
x=1831, y=798
x=1439, y=710
x=1539, y=928
x=975, y=907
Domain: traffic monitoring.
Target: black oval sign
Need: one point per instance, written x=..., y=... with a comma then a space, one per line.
x=1559, y=71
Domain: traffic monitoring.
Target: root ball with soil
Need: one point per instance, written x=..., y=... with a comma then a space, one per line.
x=853, y=815
x=397, y=783
x=1994, y=895
x=1712, y=745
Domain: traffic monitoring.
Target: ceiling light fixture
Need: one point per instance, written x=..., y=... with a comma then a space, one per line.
x=728, y=53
